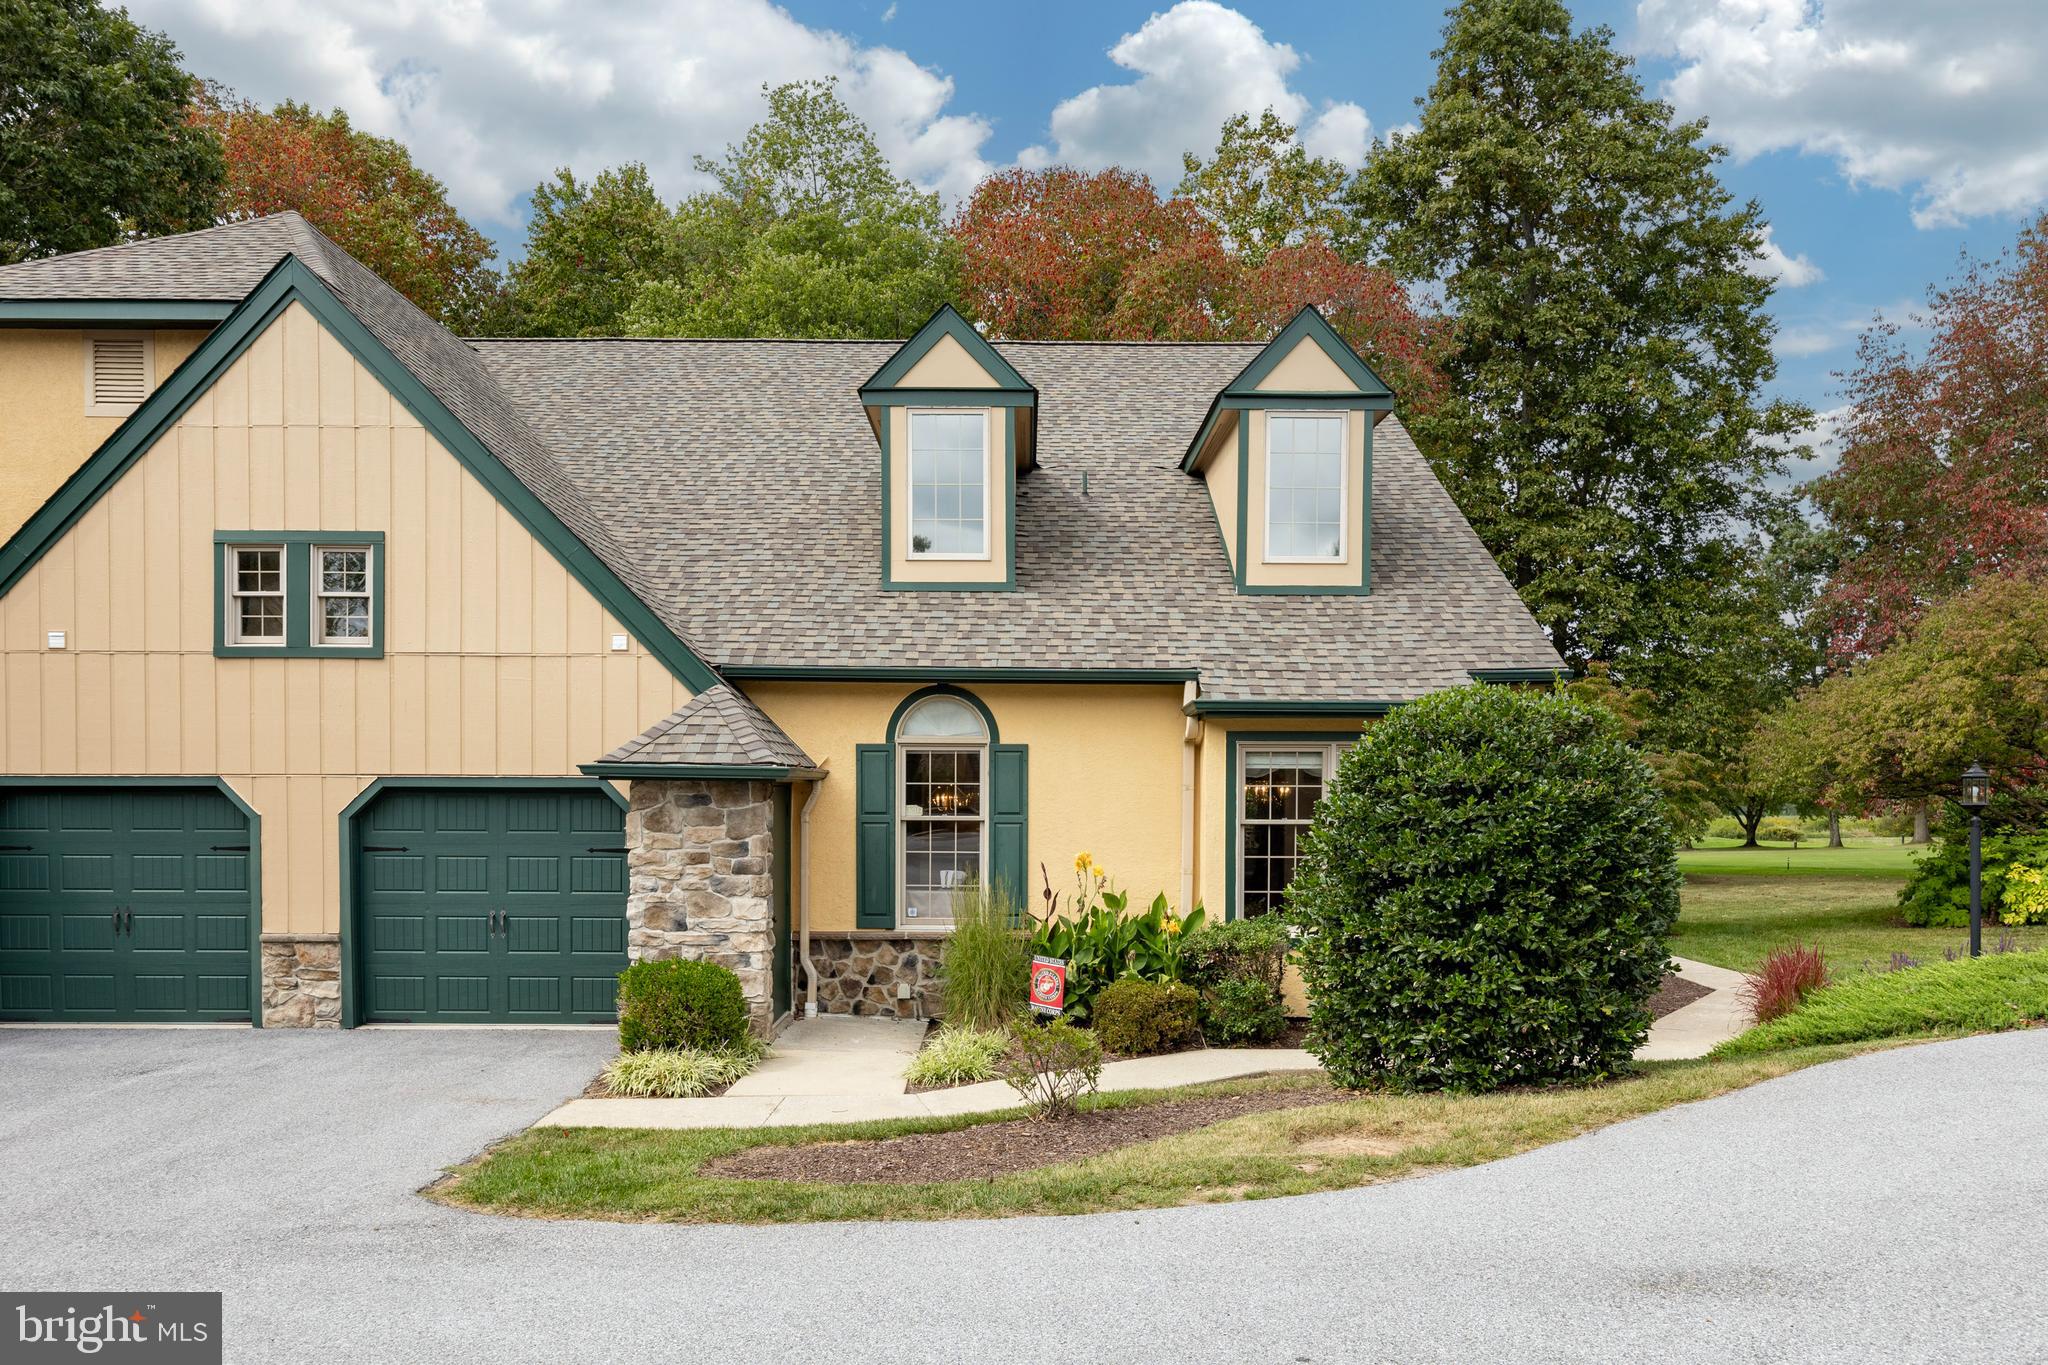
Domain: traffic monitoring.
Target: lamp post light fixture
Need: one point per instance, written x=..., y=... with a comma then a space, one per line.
x=1976, y=795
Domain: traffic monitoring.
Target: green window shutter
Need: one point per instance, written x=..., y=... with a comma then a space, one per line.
x=1008, y=810
x=875, y=836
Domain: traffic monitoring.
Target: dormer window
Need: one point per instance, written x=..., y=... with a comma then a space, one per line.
x=1305, y=487
x=949, y=482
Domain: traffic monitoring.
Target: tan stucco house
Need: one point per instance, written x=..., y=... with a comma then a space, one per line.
x=352, y=671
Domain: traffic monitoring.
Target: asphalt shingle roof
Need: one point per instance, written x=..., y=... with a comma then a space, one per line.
x=735, y=486
x=746, y=481
x=718, y=727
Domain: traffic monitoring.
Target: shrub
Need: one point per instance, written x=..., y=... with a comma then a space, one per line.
x=680, y=1003
x=1484, y=896
x=1139, y=1018
x=1051, y=1065
x=985, y=965
x=957, y=1056
x=1238, y=950
x=1242, y=1010
x=2025, y=895
x=1938, y=893
x=680, y=1072
x=1785, y=977
x=1779, y=830
x=1973, y=995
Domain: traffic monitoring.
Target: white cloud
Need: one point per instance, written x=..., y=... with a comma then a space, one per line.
x=492, y=102
x=1791, y=272
x=889, y=15
x=1944, y=101
x=1195, y=65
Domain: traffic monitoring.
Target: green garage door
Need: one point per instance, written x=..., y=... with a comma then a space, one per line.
x=123, y=904
x=490, y=905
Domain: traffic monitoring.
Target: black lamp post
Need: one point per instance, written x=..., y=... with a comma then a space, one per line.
x=1976, y=795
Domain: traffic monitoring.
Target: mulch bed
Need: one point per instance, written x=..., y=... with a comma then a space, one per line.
x=991, y=1149
x=1675, y=993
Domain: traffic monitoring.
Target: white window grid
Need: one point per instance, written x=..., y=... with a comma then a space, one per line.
x=1307, y=473
x=255, y=587
x=948, y=493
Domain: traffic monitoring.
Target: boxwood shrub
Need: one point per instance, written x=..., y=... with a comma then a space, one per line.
x=677, y=1002
x=1484, y=896
x=1137, y=1018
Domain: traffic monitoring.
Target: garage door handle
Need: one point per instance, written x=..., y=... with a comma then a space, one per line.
x=385, y=848
x=604, y=850
x=228, y=848
x=17, y=848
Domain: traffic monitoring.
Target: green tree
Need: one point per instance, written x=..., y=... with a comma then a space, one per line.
x=1604, y=427
x=1262, y=190
x=94, y=143
x=810, y=155
x=590, y=246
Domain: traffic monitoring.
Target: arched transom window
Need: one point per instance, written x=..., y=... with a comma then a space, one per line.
x=942, y=777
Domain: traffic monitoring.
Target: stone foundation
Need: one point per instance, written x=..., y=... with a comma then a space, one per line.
x=302, y=981
x=863, y=971
x=700, y=860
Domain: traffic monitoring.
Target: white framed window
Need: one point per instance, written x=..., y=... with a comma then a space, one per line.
x=120, y=370
x=342, y=594
x=1279, y=784
x=949, y=485
x=942, y=826
x=255, y=586
x=1307, y=521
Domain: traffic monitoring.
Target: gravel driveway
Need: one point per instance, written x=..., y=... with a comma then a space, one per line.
x=1887, y=1208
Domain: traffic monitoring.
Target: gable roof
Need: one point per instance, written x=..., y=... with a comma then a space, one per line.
x=716, y=733
x=219, y=264
x=705, y=459
x=426, y=367
x=947, y=322
x=1306, y=328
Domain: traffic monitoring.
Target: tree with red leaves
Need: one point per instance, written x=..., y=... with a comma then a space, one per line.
x=1944, y=473
x=363, y=191
x=1072, y=255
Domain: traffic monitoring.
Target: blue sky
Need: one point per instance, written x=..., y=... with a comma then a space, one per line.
x=1881, y=136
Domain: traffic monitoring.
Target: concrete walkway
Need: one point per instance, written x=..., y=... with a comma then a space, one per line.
x=840, y=1069
x=1693, y=1030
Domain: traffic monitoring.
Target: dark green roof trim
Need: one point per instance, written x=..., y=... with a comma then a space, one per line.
x=947, y=323
x=1519, y=675
x=950, y=398
x=291, y=280
x=1265, y=707
x=706, y=772
x=234, y=798
x=912, y=673
x=111, y=312
x=1243, y=392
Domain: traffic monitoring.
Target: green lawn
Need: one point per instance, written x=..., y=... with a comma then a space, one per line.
x=1861, y=858
x=641, y=1175
x=1732, y=921
x=1968, y=996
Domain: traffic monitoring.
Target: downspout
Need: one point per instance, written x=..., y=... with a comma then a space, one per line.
x=803, y=900
x=1190, y=740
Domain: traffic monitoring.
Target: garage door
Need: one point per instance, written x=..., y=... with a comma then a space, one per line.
x=128, y=904
x=490, y=905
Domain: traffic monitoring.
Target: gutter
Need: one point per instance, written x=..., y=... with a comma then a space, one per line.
x=1190, y=740
x=803, y=898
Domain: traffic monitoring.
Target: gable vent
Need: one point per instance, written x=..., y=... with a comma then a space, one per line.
x=117, y=374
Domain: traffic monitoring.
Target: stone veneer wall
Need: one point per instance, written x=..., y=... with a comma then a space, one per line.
x=302, y=980
x=700, y=870
x=860, y=972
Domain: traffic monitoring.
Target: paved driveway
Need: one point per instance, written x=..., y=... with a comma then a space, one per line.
x=1886, y=1208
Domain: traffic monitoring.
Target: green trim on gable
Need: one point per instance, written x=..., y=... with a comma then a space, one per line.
x=234, y=798
x=292, y=280
x=1311, y=325
x=1519, y=675
x=111, y=312
x=1262, y=707
x=947, y=322
x=913, y=673
x=351, y=986
x=298, y=595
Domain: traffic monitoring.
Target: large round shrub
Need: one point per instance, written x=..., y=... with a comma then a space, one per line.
x=1484, y=896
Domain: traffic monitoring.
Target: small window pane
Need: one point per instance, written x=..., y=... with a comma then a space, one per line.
x=344, y=571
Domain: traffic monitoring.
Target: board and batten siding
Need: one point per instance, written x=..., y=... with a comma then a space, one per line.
x=497, y=662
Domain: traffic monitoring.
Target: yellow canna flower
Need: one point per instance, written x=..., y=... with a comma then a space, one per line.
x=1173, y=926
x=1083, y=861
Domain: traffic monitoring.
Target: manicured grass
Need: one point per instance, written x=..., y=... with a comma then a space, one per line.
x=639, y=1175
x=1872, y=858
x=1732, y=921
x=2006, y=991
